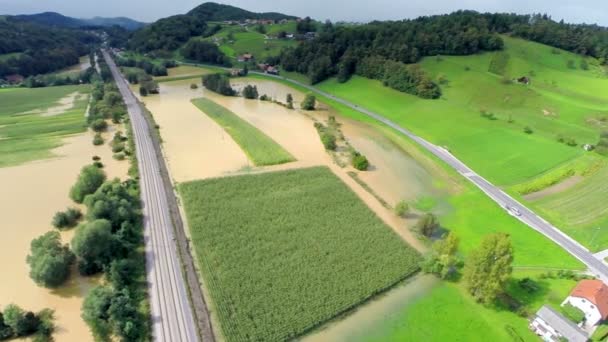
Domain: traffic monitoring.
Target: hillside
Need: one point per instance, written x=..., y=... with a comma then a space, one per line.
x=59, y=20
x=211, y=11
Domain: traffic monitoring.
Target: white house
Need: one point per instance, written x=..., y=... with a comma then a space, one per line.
x=551, y=326
x=591, y=297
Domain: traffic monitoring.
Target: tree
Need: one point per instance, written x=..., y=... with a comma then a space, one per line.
x=89, y=180
x=98, y=139
x=99, y=125
x=124, y=316
x=219, y=83
x=94, y=246
x=402, y=208
x=250, y=92
x=489, y=267
x=442, y=259
x=309, y=102
x=289, y=101
x=23, y=323
x=123, y=272
x=143, y=91
x=427, y=225
x=6, y=331
x=571, y=64
x=584, y=65
x=95, y=312
x=49, y=260
x=329, y=141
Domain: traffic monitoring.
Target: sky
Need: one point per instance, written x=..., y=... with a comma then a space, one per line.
x=574, y=11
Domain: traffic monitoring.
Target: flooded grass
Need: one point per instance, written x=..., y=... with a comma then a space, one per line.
x=261, y=149
x=302, y=233
x=27, y=132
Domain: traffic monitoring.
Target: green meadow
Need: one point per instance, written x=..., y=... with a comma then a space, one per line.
x=260, y=148
x=251, y=41
x=25, y=134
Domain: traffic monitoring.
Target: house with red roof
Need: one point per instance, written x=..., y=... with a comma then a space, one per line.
x=591, y=297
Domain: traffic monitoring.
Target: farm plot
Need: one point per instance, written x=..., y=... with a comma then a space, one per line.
x=283, y=252
x=260, y=148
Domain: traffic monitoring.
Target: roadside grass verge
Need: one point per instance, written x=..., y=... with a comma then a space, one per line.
x=260, y=148
x=283, y=252
x=27, y=137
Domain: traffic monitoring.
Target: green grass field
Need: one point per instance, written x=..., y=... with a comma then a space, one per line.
x=448, y=311
x=27, y=137
x=260, y=148
x=283, y=252
x=252, y=41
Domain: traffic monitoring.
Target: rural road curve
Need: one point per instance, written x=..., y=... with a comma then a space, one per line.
x=172, y=316
x=526, y=216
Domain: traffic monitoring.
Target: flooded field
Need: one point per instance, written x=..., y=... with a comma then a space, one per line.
x=373, y=313
x=183, y=70
x=32, y=193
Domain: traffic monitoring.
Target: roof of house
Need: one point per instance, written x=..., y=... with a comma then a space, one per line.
x=594, y=291
x=564, y=326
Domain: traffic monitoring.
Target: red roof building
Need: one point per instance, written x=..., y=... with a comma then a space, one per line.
x=591, y=297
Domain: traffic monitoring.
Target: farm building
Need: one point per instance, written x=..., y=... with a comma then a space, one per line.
x=524, y=80
x=591, y=297
x=245, y=57
x=550, y=325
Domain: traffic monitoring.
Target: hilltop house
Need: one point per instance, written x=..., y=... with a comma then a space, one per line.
x=14, y=79
x=591, y=297
x=550, y=325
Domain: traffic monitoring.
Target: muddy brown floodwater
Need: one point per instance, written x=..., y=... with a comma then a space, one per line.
x=31, y=194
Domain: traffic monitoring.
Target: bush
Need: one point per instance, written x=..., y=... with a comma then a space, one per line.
x=219, y=83
x=264, y=97
x=250, y=92
x=119, y=156
x=67, y=219
x=49, y=261
x=90, y=178
x=99, y=125
x=119, y=147
x=329, y=141
x=402, y=209
x=98, y=139
x=427, y=225
x=143, y=91
x=23, y=323
x=193, y=86
x=359, y=161
x=528, y=130
x=309, y=102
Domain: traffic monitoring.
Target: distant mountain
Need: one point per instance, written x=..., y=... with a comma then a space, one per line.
x=59, y=20
x=51, y=19
x=211, y=11
x=126, y=23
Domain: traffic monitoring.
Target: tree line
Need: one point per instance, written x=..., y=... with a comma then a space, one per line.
x=40, y=49
x=380, y=50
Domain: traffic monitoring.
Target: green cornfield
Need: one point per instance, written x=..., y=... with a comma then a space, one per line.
x=283, y=252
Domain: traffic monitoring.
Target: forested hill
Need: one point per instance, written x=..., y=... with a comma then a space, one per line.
x=211, y=11
x=170, y=33
x=37, y=49
x=59, y=20
x=381, y=50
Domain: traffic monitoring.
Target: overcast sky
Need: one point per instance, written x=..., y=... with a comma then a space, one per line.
x=576, y=11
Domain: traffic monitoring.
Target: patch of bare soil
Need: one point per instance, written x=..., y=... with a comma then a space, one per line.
x=554, y=189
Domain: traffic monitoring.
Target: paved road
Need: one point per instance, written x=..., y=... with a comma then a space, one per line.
x=504, y=200
x=172, y=317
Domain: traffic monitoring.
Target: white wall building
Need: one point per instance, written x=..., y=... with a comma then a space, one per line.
x=551, y=326
x=591, y=297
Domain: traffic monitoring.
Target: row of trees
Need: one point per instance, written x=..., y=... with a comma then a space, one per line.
x=204, y=52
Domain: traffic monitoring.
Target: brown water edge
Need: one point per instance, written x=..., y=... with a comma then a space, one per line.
x=31, y=194
x=372, y=313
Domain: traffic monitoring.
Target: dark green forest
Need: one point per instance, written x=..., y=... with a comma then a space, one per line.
x=41, y=49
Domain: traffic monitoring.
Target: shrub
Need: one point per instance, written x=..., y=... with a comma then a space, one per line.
x=359, y=161
x=143, y=91
x=23, y=323
x=119, y=147
x=528, y=130
x=427, y=225
x=250, y=92
x=329, y=141
x=99, y=125
x=67, y=219
x=96, y=158
x=193, y=86
x=98, y=139
x=570, y=64
x=119, y=156
x=264, y=98
x=402, y=208
x=90, y=178
x=309, y=102
x=49, y=261
x=219, y=83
